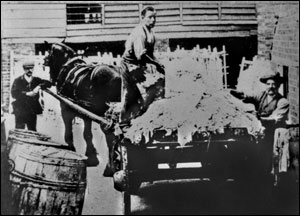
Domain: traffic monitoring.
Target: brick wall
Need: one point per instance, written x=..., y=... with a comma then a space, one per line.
x=267, y=16
x=20, y=48
x=285, y=53
x=278, y=41
x=266, y=19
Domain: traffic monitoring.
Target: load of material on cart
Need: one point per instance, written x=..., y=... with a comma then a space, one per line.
x=195, y=101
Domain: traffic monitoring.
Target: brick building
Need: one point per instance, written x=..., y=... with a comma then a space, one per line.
x=278, y=41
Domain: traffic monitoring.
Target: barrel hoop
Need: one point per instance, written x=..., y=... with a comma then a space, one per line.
x=42, y=159
x=38, y=142
x=41, y=182
x=23, y=133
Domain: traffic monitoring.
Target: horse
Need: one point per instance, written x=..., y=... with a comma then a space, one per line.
x=91, y=86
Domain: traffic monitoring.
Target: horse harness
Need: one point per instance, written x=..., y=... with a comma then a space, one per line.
x=71, y=77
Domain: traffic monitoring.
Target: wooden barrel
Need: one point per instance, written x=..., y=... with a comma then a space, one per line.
x=47, y=180
x=19, y=136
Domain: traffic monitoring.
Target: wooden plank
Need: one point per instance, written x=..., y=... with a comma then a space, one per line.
x=199, y=5
x=238, y=11
x=216, y=34
x=84, y=26
x=159, y=29
x=200, y=17
x=168, y=12
x=49, y=32
x=168, y=19
x=97, y=26
x=99, y=32
x=121, y=14
x=121, y=7
x=221, y=22
x=159, y=7
x=34, y=14
x=200, y=11
x=92, y=38
x=168, y=23
x=34, y=40
x=233, y=17
x=237, y=5
x=180, y=28
x=33, y=24
x=123, y=20
x=23, y=6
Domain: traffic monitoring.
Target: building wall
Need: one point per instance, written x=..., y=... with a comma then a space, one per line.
x=20, y=48
x=28, y=21
x=285, y=55
x=278, y=41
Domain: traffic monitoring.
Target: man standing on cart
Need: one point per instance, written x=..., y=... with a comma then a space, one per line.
x=272, y=109
x=138, y=52
x=139, y=49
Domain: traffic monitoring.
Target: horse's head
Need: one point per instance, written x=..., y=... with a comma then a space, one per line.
x=59, y=54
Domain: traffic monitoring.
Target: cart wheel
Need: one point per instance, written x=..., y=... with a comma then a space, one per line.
x=126, y=194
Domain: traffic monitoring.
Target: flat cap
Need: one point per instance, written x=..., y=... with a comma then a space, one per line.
x=28, y=64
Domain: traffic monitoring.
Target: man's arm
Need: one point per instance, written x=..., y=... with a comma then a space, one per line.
x=160, y=68
x=141, y=52
x=279, y=115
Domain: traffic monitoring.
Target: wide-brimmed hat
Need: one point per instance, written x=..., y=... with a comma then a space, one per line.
x=275, y=76
x=28, y=64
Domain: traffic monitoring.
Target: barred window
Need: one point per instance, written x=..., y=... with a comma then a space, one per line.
x=84, y=13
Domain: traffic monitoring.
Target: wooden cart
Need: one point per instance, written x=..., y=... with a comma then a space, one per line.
x=218, y=157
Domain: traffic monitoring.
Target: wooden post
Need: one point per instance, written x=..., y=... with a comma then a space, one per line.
x=140, y=10
x=242, y=65
x=209, y=48
x=181, y=12
x=103, y=14
x=225, y=67
x=219, y=10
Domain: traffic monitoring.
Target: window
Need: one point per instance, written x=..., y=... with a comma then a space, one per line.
x=84, y=13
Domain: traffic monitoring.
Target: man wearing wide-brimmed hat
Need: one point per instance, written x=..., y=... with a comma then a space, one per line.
x=25, y=91
x=272, y=109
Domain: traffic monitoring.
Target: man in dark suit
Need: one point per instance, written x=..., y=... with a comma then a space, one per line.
x=25, y=91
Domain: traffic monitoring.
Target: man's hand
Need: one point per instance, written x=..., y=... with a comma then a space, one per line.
x=45, y=84
x=36, y=89
x=31, y=94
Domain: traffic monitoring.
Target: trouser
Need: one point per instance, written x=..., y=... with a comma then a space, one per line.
x=131, y=96
x=266, y=157
x=26, y=119
x=134, y=102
